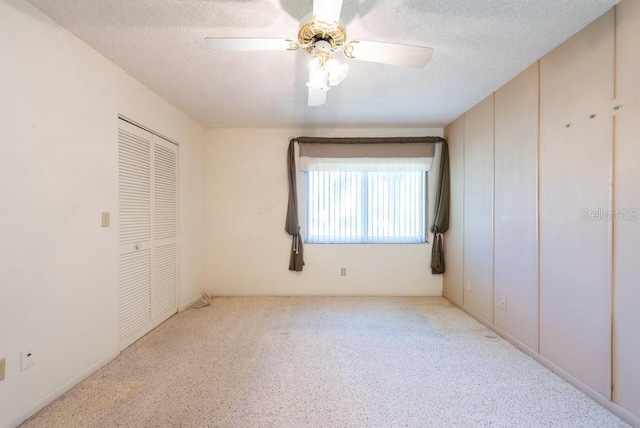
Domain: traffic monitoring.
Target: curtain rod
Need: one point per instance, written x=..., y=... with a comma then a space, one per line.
x=367, y=140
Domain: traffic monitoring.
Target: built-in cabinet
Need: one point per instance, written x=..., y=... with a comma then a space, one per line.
x=545, y=172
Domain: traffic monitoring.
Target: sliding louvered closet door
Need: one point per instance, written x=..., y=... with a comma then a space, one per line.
x=148, y=231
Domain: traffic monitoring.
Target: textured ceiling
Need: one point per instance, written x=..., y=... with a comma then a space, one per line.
x=478, y=46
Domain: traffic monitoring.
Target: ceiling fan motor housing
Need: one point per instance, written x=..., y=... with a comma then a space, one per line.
x=314, y=31
x=322, y=46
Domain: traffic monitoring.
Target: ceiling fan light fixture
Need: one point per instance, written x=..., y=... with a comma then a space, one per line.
x=318, y=79
x=336, y=71
x=315, y=62
x=325, y=71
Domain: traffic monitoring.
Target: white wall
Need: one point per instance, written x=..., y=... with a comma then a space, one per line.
x=247, y=250
x=59, y=106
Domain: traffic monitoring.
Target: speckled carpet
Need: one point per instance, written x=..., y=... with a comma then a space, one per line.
x=323, y=362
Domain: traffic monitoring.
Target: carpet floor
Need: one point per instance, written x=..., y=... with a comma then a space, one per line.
x=323, y=362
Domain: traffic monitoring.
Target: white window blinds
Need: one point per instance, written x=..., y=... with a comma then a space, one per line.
x=359, y=192
x=366, y=207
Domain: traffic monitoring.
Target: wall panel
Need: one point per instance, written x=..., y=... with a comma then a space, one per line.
x=454, y=243
x=478, y=209
x=576, y=82
x=516, y=207
x=627, y=202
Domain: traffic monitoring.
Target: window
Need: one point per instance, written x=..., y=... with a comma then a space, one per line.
x=366, y=206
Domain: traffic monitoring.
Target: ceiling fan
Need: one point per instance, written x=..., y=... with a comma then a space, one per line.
x=322, y=36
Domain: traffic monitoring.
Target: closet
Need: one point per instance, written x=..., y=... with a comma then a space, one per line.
x=147, y=196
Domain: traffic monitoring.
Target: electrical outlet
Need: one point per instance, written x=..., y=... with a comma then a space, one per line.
x=468, y=285
x=343, y=271
x=27, y=360
x=503, y=302
x=3, y=364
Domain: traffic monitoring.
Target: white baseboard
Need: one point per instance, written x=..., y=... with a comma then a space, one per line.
x=614, y=408
x=35, y=408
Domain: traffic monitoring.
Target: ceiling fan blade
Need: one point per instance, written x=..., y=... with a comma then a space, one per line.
x=317, y=97
x=327, y=11
x=391, y=53
x=247, y=44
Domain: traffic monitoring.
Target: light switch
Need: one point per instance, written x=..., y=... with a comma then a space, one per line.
x=105, y=219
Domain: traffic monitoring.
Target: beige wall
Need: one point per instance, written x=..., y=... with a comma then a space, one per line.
x=575, y=265
x=516, y=210
x=563, y=159
x=478, y=209
x=454, y=238
x=247, y=250
x=58, y=268
x=626, y=236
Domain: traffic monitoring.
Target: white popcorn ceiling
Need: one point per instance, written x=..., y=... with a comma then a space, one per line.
x=479, y=45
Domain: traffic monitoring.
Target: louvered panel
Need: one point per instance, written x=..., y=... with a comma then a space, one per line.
x=135, y=292
x=135, y=187
x=148, y=218
x=165, y=277
x=165, y=191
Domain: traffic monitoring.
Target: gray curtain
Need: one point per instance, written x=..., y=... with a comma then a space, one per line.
x=441, y=218
x=296, y=261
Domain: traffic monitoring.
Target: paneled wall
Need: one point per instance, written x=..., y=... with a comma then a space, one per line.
x=478, y=209
x=516, y=211
x=454, y=244
x=627, y=203
x=575, y=265
x=557, y=258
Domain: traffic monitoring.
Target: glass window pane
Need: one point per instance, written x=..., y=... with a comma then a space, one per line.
x=365, y=207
